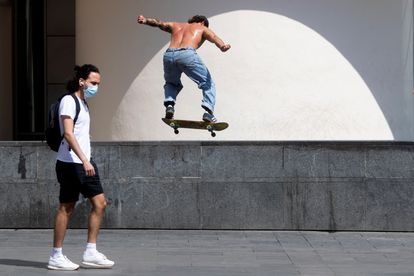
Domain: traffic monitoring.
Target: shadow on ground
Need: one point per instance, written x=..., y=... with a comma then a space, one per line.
x=23, y=263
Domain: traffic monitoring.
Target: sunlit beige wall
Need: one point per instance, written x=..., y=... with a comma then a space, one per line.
x=297, y=70
x=6, y=122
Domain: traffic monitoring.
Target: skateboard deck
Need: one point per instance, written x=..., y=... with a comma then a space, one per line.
x=211, y=127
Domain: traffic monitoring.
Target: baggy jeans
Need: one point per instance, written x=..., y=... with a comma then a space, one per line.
x=187, y=61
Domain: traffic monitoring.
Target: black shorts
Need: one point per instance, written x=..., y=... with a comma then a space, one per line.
x=74, y=181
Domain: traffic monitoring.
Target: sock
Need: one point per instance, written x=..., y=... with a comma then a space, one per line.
x=91, y=247
x=56, y=251
x=207, y=109
x=169, y=103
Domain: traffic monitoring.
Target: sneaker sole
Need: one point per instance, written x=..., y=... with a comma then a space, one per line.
x=51, y=267
x=92, y=265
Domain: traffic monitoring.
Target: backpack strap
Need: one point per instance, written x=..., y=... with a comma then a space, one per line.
x=77, y=109
x=77, y=113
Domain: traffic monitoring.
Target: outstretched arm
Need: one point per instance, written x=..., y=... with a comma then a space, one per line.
x=165, y=26
x=213, y=38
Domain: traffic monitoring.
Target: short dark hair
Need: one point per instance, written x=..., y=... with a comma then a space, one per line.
x=198, y=19
x=81, y=72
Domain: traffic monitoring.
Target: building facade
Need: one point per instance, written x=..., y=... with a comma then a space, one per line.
x=302, y=70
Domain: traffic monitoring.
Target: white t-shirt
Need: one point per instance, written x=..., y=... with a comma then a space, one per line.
x=68, y=107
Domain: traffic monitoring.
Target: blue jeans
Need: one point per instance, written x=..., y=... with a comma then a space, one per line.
x=186, y=60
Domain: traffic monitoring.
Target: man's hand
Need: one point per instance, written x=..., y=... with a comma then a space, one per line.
x=89, y=169
x=225, y=47
x=141, y=19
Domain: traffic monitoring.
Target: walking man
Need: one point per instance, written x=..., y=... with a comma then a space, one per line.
x=181, y=57
x=76, y=172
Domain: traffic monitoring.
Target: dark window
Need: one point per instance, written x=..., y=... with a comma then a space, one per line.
x=28, y=69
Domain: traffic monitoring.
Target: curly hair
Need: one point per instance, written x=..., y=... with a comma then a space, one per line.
x=82, y=72
x=198, y=19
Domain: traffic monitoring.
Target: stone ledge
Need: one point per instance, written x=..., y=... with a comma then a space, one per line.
x=294, y=185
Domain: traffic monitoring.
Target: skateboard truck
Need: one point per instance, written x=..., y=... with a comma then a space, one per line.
x=175, y=127
x=210, y=129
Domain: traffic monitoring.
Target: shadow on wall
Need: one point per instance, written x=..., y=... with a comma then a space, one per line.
x=363, y=31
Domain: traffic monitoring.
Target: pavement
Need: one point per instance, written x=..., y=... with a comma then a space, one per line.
x=212, y=253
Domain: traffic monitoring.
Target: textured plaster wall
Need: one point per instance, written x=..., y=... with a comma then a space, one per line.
x=298, y=70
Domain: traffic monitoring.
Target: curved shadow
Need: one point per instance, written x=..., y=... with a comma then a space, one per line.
x=23, y=263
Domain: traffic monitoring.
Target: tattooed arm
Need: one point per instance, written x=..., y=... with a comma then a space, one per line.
x=165, y=26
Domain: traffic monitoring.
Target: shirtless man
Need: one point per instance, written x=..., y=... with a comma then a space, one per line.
x=181, y=57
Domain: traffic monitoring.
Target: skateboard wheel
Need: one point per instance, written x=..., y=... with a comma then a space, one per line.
x=213, y=134
x=176, y=131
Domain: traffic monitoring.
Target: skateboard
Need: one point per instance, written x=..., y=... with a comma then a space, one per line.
x=211, y=127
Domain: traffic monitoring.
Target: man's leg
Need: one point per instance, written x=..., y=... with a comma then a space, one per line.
x=98, y=203
x=171, y=90
x=199, y=73
x=172, y=77
x=61, y=222
x=57, y=260
x=92, y=258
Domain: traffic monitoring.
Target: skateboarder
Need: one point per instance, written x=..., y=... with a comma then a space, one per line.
x=181, y=57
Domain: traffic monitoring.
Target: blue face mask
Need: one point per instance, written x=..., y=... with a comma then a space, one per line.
x=90, y=91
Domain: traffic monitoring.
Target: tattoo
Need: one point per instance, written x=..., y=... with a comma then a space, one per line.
x=152, y=22
x=158, y=23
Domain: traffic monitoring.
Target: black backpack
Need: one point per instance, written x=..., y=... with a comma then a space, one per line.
x=52, y=132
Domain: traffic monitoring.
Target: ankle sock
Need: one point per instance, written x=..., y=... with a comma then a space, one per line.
x=166, y=104
x=90, y=247
x=207, y=109
x=56, y=251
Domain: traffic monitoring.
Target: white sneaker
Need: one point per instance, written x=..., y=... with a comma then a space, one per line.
x=95, y=259
x=61, y=262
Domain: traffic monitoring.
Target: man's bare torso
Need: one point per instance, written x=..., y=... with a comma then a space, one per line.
x=186, y=35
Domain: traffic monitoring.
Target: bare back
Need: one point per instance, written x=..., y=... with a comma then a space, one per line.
x=186, y=35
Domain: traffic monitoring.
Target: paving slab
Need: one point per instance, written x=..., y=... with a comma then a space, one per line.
x=211, y=253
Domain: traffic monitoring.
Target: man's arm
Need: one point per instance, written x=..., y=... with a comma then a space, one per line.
x=165, y=26
x=213, y=38
x=67, y=123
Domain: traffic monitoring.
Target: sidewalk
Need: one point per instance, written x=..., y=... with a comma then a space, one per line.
x=211, y=253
